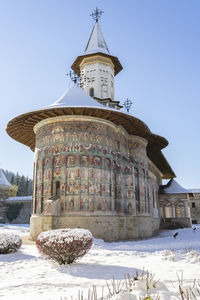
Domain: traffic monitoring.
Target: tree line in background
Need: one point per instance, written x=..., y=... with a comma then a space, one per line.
x=25, y=184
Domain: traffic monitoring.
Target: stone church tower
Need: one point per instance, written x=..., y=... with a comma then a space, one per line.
x=95, y=167
x=97, y=69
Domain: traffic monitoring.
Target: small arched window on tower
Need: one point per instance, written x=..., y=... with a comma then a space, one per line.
x=91, y=92
x=104, y=91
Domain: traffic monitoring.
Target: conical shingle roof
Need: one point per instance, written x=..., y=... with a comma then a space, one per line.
x=96, y=41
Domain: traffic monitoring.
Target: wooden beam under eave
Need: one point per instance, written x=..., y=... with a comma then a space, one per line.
x=67, y=111
x=16, y=134
x=89, y=112
x=27, y=139
x=13, y=128
x=45, y=115
x=32, y=144
x=52, y=114
x=83, y=111
x=98, y=113
x=32, y=123
x=13, y=124
x=29, y=125
x=60, y=112
x=36, y=117
x=115, y=120
x=77, y=111
x=107, y=115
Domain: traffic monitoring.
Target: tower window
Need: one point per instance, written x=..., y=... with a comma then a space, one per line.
x=92, y=92
x=193, y=204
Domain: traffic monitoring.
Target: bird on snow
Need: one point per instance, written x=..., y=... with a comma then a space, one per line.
x=175, y=235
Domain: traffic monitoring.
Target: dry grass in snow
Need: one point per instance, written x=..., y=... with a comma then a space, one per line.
x=25, y=274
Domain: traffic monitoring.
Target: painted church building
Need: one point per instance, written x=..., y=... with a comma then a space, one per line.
x=95, y=165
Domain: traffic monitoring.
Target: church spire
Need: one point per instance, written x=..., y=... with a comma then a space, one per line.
x=96, y=41
x=96, y=67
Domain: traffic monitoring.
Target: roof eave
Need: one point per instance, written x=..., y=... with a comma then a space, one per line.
x=75, y=66
x=21, y=129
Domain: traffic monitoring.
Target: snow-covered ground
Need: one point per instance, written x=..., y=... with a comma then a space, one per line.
x=28, y=275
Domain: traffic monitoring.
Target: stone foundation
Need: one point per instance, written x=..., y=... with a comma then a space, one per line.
x=120, y=227
x=175, y=223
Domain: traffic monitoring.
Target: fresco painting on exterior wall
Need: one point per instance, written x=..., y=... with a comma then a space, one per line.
x=81, y=165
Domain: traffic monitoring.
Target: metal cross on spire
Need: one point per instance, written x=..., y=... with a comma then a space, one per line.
x=96, y=14
x=74, y=77
x=127, y=104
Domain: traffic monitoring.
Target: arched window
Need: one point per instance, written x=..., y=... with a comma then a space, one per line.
x=91, y=92
x=180, y=209
x=104, y=91
x=166, y=209
x=57, y=194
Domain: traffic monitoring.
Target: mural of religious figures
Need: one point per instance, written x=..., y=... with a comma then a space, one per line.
x=57, y=161
x=71, y=203
x=129, y=194
x=57, y=172
x=130, y=209
x=70, y=187
x=91, y=174
x=127, y=169
x=91, y=188
x=84, y=187
x=56, y=149
x=91, y=161
x=84, y=173
x=57, y=134
x=47, y=175
x=98, y=188
x=76, y=187
x=128, y=180
x=71, y=160
x=84, y=160
x=97, y=161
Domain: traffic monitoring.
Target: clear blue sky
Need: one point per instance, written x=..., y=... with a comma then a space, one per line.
x=157, y=42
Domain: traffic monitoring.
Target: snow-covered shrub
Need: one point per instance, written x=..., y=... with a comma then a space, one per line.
x=9, y=243
x=168, y=255
x=192, y=256
x=64, y=245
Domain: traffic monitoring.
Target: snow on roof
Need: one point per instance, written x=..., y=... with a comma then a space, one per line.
x=173, y=187
x=96, y=41
x=195, y=191
x=19, y=198
x=3, y=179
x=76, y=97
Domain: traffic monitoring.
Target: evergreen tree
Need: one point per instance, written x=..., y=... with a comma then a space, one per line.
x=17, y=179
x=12, y=179
x=22, y=186
x=30, y=187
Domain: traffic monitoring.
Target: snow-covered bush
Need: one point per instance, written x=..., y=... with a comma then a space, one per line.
x=9, y=243
x=168, y=255
x=192, y=256
x=64, y=245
